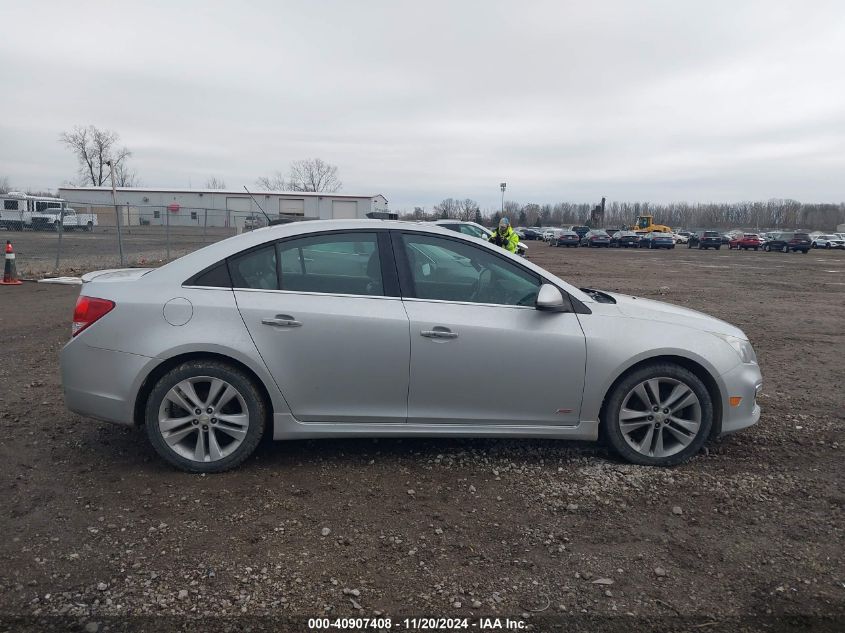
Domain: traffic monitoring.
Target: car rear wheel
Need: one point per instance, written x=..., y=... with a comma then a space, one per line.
x=659, y=415
x=205, y=417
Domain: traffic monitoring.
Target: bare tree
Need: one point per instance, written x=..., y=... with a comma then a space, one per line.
x=214, y=183
x=125, y=176
x=313, y=175
x=5, y=187
x=93, y=148
x=467, y=209
x=276, y=182
x=448, y=209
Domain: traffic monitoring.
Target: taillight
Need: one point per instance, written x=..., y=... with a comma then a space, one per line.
x=89, y=310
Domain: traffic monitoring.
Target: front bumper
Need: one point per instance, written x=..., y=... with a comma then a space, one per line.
x=100, y=383
x=744, y=381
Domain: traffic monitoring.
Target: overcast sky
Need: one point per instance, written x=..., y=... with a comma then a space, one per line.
x=633, y=100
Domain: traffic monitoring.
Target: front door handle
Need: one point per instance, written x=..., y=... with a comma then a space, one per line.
x=439, y=332
x=281, y=320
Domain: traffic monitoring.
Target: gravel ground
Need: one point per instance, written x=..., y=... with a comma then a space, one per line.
x=101, y=535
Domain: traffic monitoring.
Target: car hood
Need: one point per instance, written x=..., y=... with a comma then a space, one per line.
x=638, y=308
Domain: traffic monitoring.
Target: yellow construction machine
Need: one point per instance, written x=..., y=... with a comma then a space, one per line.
x=645, y=224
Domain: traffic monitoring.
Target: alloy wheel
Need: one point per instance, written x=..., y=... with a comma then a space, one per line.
x=660, y=417
x=203, y=419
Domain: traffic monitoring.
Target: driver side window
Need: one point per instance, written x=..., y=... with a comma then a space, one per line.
x=452, y=270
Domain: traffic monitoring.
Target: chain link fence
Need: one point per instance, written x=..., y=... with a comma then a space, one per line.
x=87, y=237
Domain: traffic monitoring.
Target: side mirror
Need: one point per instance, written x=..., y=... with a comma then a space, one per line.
x=550, y=298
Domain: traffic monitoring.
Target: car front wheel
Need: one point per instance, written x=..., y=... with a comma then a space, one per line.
x=205, y=416
x=659, y=415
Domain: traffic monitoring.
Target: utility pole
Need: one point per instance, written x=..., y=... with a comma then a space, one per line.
x=116, y=211
x=503, y=186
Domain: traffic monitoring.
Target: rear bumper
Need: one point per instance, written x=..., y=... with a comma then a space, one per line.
x=744, y=381
x=100, y=383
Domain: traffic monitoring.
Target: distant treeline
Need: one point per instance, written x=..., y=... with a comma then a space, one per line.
x=775, y=213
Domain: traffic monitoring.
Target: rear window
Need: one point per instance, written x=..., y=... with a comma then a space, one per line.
x=711, y=234
x=255, y=269
x=802, y=236
x=215, y=277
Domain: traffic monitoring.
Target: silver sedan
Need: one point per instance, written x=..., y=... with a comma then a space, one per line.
x=366, y=328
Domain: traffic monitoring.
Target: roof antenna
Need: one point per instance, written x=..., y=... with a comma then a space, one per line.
x=269, y=221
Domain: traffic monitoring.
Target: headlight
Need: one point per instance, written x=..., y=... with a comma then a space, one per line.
x=741, y=347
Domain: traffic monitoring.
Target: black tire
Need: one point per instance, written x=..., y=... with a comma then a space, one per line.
x=756, y=248
x=256, y=408
x=827, y=245
x=609, y=427
x=719, y=247
x=766, y=248
x=805, y=251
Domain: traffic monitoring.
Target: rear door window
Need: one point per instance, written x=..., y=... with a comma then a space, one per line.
x=336, y=263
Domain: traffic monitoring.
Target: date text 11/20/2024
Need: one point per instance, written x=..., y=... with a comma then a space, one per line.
x=416, y=624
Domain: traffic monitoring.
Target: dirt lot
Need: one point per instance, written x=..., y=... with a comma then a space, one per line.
x=560, y=536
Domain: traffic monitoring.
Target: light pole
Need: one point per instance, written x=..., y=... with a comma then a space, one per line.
x=116, y=211
x=503, y=186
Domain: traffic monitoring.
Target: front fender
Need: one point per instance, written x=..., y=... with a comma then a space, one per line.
x=616, y=343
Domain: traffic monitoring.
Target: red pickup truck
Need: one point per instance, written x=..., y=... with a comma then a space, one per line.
x=746, y=241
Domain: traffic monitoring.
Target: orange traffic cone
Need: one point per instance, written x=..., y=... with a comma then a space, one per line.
x=10, y=273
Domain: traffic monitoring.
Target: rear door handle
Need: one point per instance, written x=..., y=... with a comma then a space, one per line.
x=281, y=320
x=439, y=332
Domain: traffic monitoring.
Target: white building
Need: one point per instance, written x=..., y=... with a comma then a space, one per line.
x=216, y=207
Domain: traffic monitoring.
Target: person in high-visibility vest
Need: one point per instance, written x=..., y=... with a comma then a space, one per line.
x=505, y=236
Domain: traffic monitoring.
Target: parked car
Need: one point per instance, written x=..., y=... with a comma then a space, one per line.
x=745, y=241
x=52, y=220
x=656, y=239
x=580, y=230
x=788, y=241
x=351, y=328
x=533, y=234
x=474, y=229
x=252, y=222
x=681, y=238
x=624, y=239
x=550, y=236
x=828, y=241
x=596, y=237
x=705, y=240
x=567, y=238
